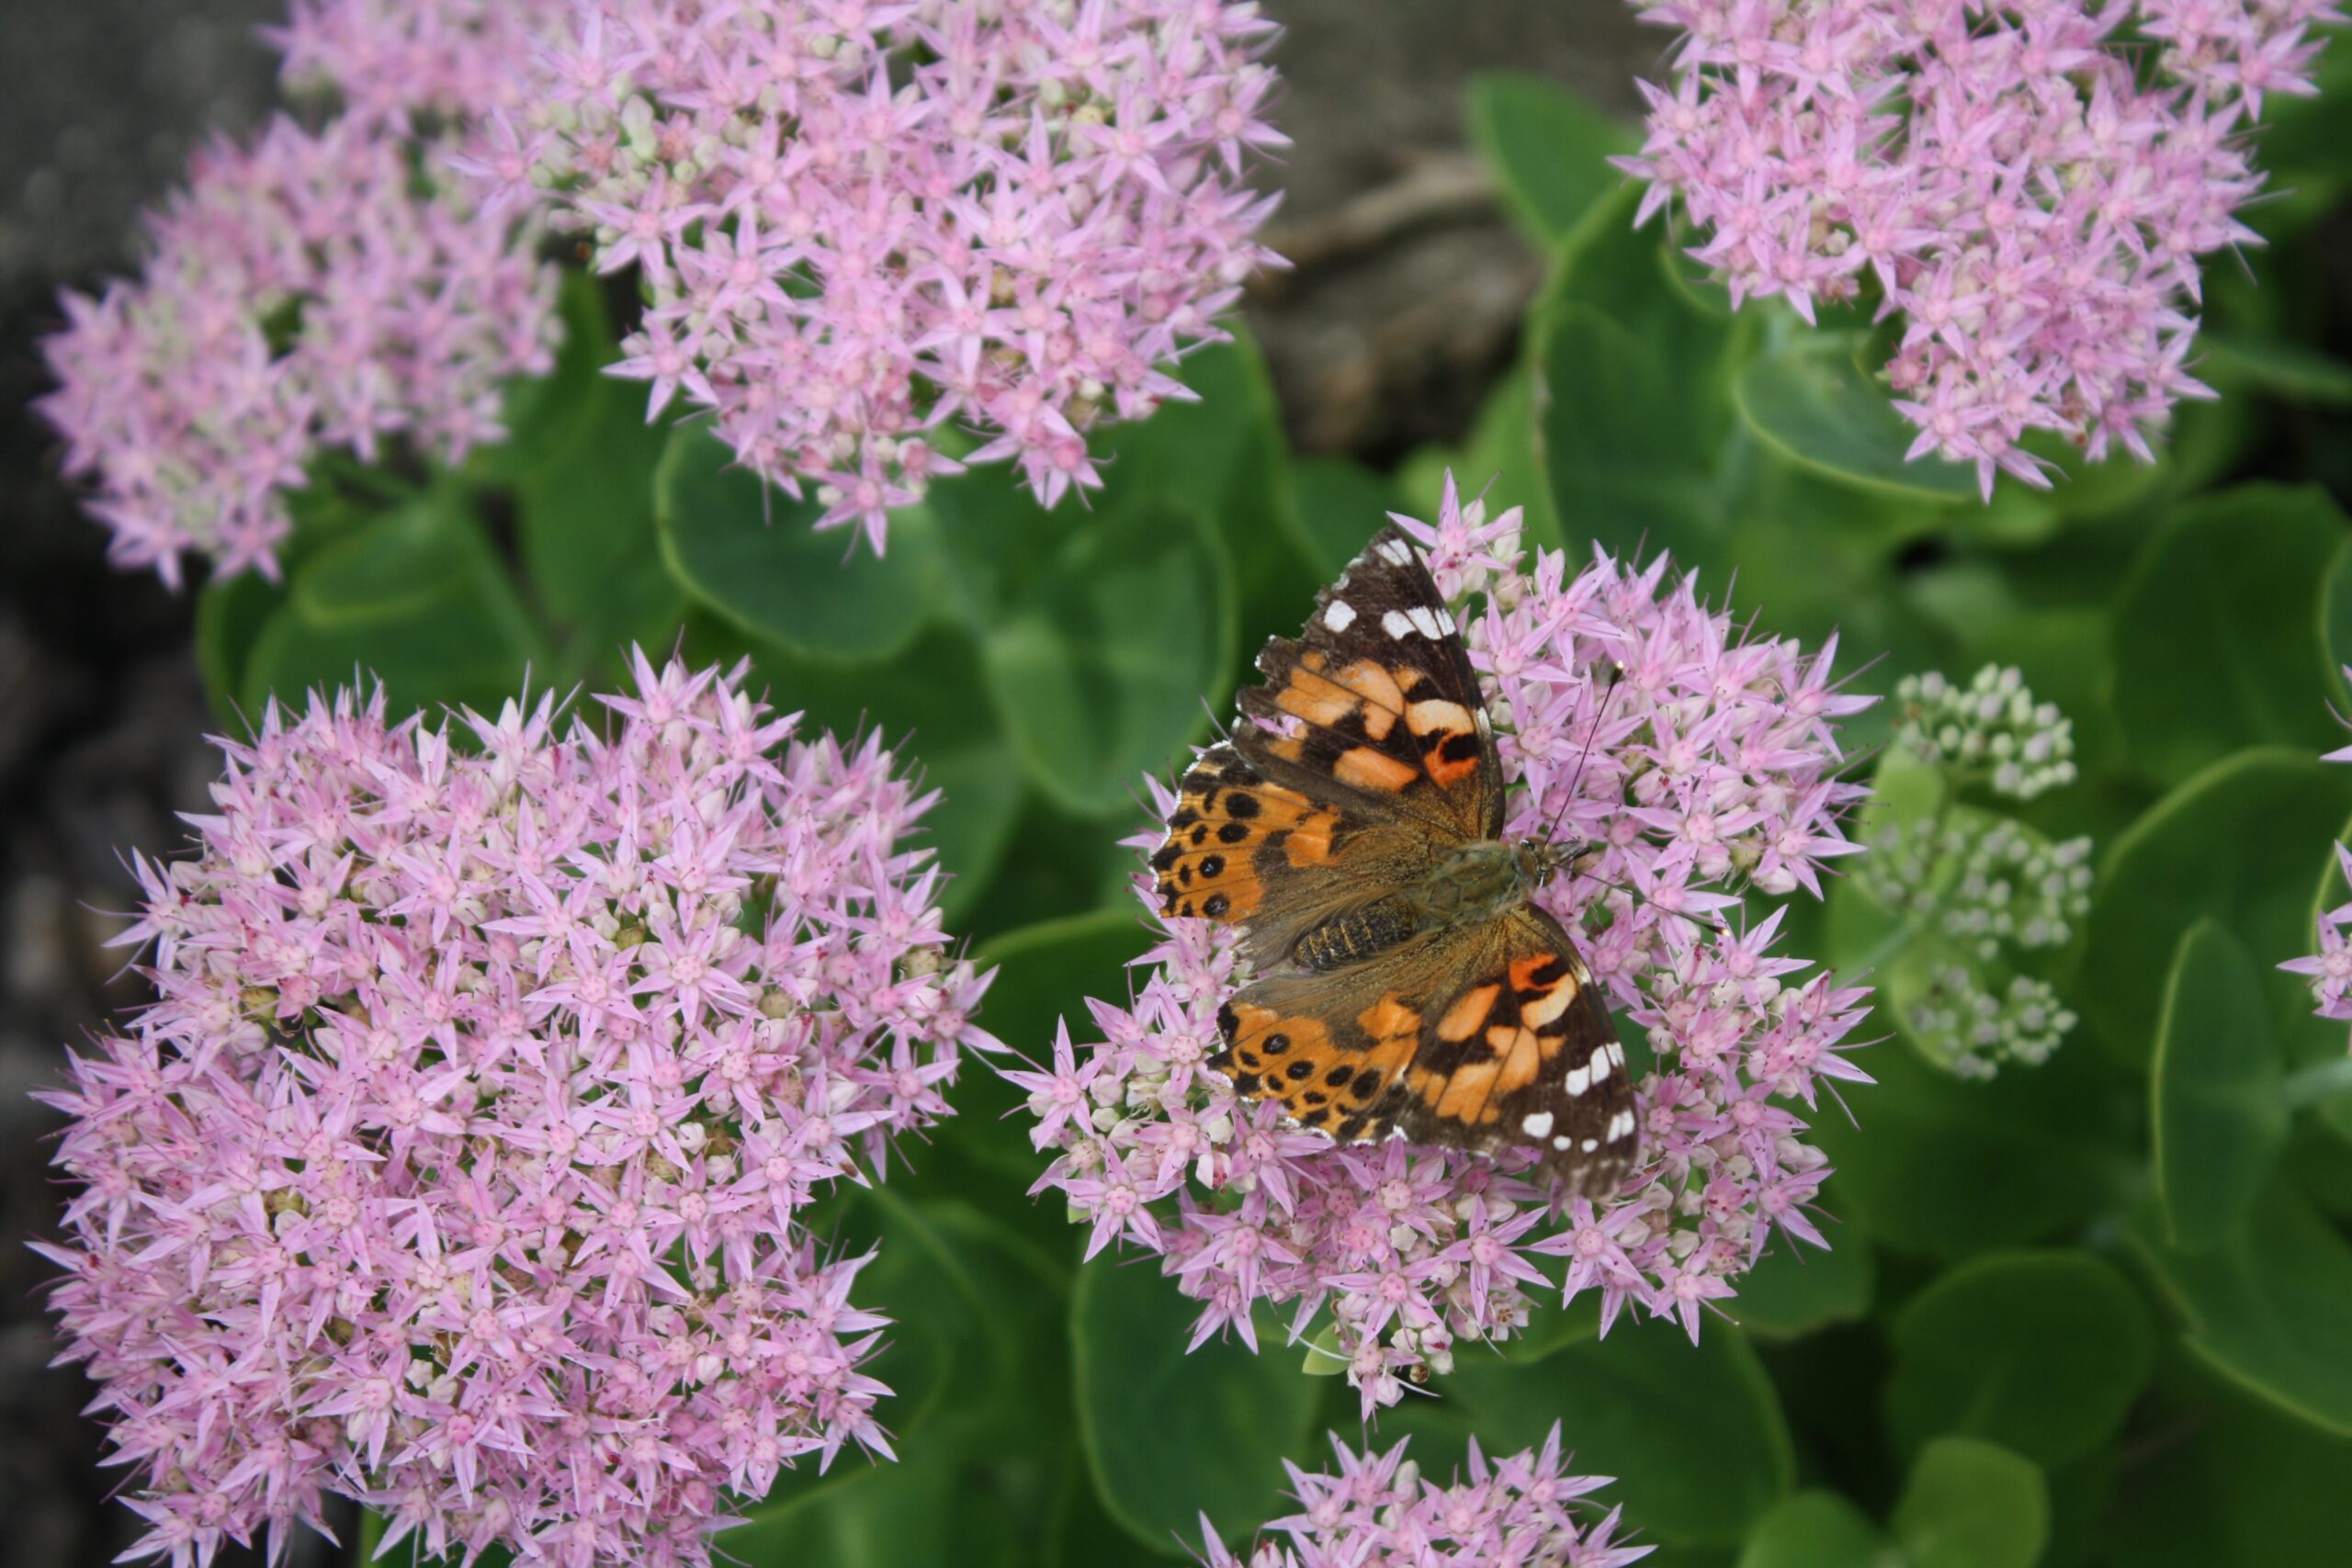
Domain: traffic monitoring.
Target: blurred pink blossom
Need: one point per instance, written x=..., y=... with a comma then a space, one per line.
x=457, y=1166
x=1709, y=772
x=398, y=61
x=1378, y=1511
x=858, y=222
x=311, y=291
x=2330, y=968
x=2025, y=185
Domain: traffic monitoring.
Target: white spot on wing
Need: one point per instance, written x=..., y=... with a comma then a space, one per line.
x=1590, y=1144
x=1394, y=624
x=1425, y=621
x=1561, y=1142
x=1397, y=552
x=1621, y=1126
x=1338, y=614
x=1579, y=1078
x=1538, y=1124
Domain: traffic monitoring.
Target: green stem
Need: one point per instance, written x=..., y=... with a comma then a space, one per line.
x=1889, y=946
x=2302, y=1089
x=369, y=1538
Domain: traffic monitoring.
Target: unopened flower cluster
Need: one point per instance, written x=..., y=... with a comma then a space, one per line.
x=2330, y=968
x=455, y=1167
x=312, y=291
x=1978, y=887
x=1379, y=1511
x=2030, y=187
x=1989, y=731
x=857, y=222
x=1708, y=770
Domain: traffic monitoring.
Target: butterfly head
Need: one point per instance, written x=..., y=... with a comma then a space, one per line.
x=1538, y=860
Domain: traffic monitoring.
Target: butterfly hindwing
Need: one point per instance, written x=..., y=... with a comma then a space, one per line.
x=1231, y=832
x=1245, y=851
x=1518, y=1049
x=1379, y=697
x=1482, y=1039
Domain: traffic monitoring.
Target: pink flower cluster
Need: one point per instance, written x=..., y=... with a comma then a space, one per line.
x=855, y=222
x=303, y=294
x=2331, y=967
x=1379, y=1512
x=393, y=60
x=1707, y=771
x=456, y=1165
x=2030, y=185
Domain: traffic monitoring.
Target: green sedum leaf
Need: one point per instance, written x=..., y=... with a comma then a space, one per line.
x=1168, y=1436
x=2041, y=1352
x=1971, y=1505
x=752, y=555
x=1105, y=650
x=1339, y=504
x=1810, y=400
x=2237, y=844
x=1795, y=1288
x=2236, y=1480
x=1948, y=1168
x=2218, y=634
x=1622, y=467
x=1638, y=1405
x=2269, y=1306
x=580, y=464
x=1815, y=1529
x=1549, y=149
x=2214, y=1110
x=416, y=598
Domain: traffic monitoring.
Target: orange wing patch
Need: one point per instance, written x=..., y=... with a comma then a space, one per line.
x=1329, y=1077
x=1380, y=727
x=1226, y=817
x=1495, y=1040
x=1330, y=699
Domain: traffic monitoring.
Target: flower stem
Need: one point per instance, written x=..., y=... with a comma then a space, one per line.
x=1891, y=946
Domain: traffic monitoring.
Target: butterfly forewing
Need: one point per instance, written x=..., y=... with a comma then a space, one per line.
x=1379, y=697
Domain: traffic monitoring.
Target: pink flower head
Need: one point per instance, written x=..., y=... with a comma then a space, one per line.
x=456, y=1165
x=303, y=294
x=394, y=62
x=1706, y=772
x=2028, y=186
x=2330, y=969
x=857, y=222
x=1378, y=1511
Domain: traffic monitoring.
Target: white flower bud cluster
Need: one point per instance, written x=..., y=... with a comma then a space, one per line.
x=1984, y=881
x=1978, y=886
x=1964, y=1025
x=1990, y=731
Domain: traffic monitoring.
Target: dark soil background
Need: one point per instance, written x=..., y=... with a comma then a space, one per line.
x=1385, y=338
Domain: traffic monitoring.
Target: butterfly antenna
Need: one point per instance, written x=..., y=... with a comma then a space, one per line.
x=1576, y=780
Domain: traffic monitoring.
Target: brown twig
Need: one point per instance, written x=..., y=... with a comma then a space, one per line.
x=1435, y=188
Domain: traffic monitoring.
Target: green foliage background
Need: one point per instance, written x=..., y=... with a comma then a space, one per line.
x=2094, y=1313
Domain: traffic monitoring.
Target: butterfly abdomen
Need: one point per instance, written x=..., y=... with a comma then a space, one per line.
x=1355, y=936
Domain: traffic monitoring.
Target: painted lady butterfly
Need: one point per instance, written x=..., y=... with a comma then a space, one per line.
x=1404, y=984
